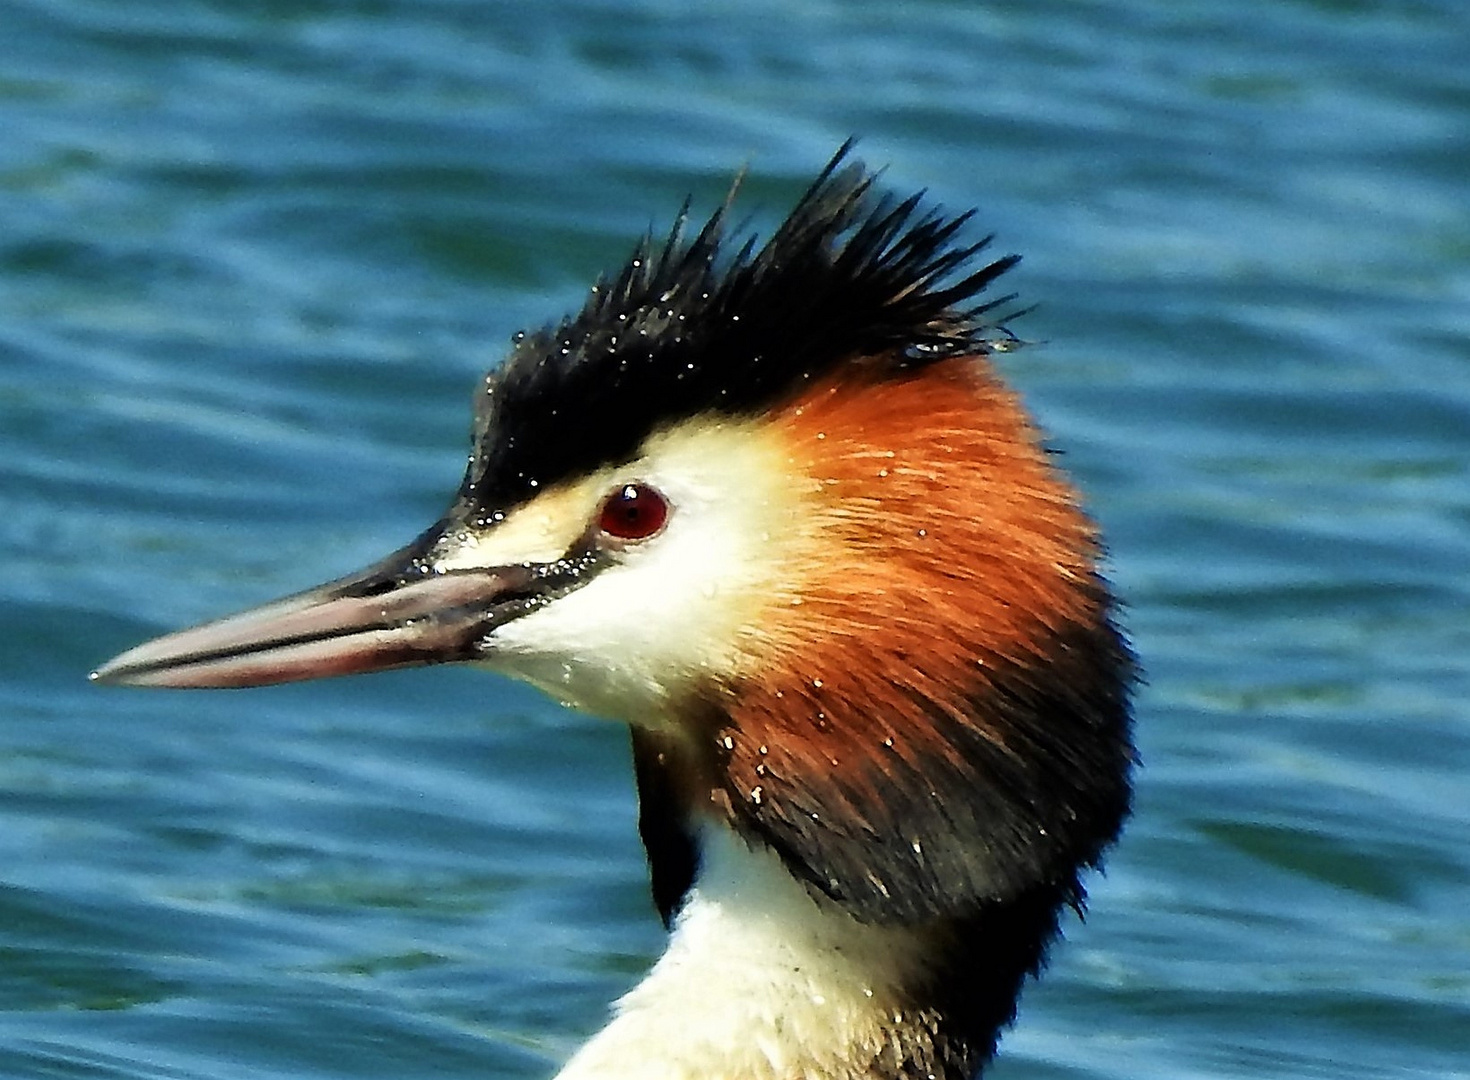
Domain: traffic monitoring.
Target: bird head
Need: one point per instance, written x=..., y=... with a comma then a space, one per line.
x=771, y=505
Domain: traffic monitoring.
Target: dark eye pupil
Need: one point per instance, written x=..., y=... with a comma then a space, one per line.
x=633, y=512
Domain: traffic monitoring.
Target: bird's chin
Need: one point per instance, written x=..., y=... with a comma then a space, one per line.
x=589, y=687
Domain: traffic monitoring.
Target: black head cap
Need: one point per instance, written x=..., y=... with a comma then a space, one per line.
x=693, y=326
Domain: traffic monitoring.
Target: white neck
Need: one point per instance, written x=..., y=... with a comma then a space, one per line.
x=761, y=981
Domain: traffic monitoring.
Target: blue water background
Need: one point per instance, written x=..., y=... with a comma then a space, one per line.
x=255, y=254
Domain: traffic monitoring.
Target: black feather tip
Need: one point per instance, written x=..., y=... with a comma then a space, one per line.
x=703, y=325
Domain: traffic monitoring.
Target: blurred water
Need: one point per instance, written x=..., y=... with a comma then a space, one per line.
x=253, y=257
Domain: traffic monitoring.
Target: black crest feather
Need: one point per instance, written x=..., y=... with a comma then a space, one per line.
x=696, y=325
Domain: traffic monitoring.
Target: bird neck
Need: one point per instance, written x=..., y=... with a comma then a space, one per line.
x=764, y=981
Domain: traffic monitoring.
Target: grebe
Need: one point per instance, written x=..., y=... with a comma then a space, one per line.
x=773, y=507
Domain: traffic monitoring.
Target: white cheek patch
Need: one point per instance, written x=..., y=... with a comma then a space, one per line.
x=541, y=531
x=672, y=608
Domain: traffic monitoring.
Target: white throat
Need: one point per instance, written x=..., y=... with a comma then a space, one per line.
x=761, y=981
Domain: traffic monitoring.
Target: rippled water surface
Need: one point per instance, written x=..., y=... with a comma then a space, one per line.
x=253, y=258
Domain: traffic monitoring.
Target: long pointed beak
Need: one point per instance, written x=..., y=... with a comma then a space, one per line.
x=397, y=613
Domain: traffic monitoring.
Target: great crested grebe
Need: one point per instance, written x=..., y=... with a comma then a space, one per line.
x=774, y=508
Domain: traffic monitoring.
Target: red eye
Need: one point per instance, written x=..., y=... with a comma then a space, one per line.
x=633, y=512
